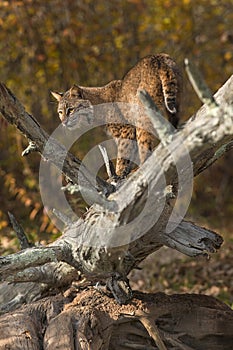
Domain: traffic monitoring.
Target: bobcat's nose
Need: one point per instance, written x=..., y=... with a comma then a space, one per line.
x=64, y=122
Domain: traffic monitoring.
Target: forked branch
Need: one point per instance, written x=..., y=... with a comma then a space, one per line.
x=110, y=240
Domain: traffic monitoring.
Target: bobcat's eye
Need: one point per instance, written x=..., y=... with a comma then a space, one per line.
x=60, y=113
x=69, y=110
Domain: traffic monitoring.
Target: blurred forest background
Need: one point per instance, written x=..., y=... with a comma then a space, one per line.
x=49, y=45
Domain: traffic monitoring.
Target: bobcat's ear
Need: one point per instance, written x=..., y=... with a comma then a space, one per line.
x=57, y=95
x=76, y=91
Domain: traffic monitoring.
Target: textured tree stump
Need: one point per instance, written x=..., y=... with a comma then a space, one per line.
x=90, y=320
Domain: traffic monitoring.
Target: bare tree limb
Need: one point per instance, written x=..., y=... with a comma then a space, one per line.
x=24, y=243
x=105, y=243
x=199, y=85
x=108, y=164
x=152, y=329
x=30, y=257
x=193, y=240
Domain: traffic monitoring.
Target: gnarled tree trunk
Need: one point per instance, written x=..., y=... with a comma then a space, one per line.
x=81, y=316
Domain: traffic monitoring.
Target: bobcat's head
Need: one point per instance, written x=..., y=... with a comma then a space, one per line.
x=73, y=110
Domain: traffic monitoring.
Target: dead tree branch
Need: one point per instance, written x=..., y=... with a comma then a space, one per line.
x=111, y=240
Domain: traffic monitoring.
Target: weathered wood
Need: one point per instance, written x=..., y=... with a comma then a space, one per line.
x=24, y=243
x=120, y=246
x=90, y=320
x=199, y=85
x=104, y=245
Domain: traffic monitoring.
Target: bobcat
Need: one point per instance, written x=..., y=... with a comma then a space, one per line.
x=158, y=75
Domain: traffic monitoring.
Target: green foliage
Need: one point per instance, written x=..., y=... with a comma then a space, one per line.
x=49, y=45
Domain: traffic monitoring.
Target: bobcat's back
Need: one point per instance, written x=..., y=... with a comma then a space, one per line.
x=160, y=77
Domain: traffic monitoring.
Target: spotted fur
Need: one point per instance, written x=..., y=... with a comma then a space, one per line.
x=158, y=75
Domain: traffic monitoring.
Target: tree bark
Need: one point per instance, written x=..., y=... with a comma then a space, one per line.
x=90, y=320
x=176, y=322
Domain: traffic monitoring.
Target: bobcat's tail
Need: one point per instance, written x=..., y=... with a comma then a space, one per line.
x=169, y=77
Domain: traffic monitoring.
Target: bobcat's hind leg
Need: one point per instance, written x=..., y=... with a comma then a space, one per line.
x=126, y=150
x=126, y=156
x=146, y=143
